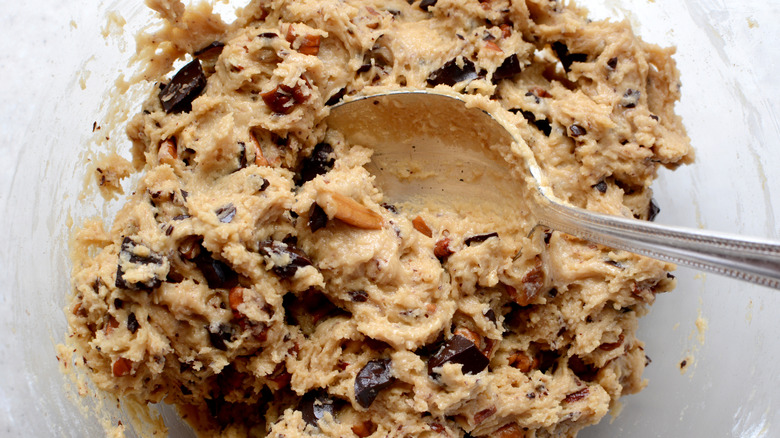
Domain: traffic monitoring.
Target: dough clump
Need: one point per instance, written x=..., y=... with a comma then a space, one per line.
x=258, y=280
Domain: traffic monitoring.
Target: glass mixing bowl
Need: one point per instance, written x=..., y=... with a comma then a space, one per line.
x=60, y=60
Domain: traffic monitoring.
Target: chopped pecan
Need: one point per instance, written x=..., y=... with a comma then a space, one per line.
x=577, y=395
x=609, y=346
x=167, y=153
x=122, y=367
x=484, y=414
x=511, y=431
x=259, y=158
x=283, y=98
x=442, y=249
x=364, y=429
x=307, y=44
x=522, y=362
x=349, y=211
x=420, y=225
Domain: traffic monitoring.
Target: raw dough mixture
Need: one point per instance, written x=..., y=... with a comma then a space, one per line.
x=258, y=280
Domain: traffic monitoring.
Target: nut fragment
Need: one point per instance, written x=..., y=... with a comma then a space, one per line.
x=349, y=211
x=259, y=158
x=420, y=225
x=122, y=367
x=167, y=153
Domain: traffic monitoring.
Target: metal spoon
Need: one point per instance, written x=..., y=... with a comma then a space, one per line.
x=435, y=148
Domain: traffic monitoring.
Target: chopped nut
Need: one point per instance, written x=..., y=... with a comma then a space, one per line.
x=259, y=158
x=577, y=396
x=511, y=431
x=363, y=429
x=522, y=362
x=470, y=335
x=420, y=225
x=349, y=211
x=122, y=367
x=492, y=46
x=483, y=415
x=307, y=44
x=442, y=249
x=612, y=345
x=167, y=153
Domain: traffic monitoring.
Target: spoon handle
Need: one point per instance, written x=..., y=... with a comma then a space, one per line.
x=750, y=259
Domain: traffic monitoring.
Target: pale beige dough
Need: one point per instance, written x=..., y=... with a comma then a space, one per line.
x=191, y=297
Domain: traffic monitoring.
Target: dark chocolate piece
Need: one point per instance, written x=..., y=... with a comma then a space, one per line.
x=601, y=186
x=214, y=45
x=186, y=85
x=218, y=274
x=426, y=4
x=630, y=98
x=317, y=217
x=223, y=334
x=132, y=323
x=479, y=238
x=127, y=258
x=567, y=59
x=612, y=63
x=374, y=377
x=459, y=350
x=336, y=97
x=319, y=162
x=294, y=257
x=226, y=214
x=314, y=405
x=652, y=210
x=451, y=73
x=508, y=69
x=358, y=296
x=577, y=130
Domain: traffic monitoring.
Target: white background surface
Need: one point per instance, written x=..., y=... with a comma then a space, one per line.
x=727, y=52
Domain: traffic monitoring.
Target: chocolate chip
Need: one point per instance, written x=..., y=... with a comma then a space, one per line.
x=118, y=304
x=286, y=259
x=614, y=263
x=612, y=63
x=242, y=161
x=314, y=405
x=479, y=238
x=490, y=314
x=317, y=217
x=600, y=186
x=577, y=130
x=426, y=4
x=222, y=334
x=542, y=125
x=218, y=274
x=630, y=98
x=214, y=45
x=508, y=69
x=451, y=73
x=336, y=97
x=268, y=35
x=567, y=59
x=390, y=207
x=181, y=217
x=459, y=350
x=185, y=86
x=128, y=259
x=652, y=210
x=226, y=214
x=132, y=323
x=319, y=162
x=374, y=377
x=358, y=296
x=184, y=195
x=654, y=117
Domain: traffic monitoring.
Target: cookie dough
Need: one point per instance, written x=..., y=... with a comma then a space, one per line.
x=258, y=279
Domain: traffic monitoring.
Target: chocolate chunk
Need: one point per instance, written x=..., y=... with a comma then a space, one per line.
x=479, y=238
x=118, y=303
x=374, y=377
x=226, y=214
x=286, y=259
x=319, y=162
x=654, y=117
x=577, y=130
x=630, y=98
x=652, y=210
x=132, y=323
x=216, y=45
x=242, y=161
x=336, y=97
x=614, y=263
x=542, y=125
x=181, y=217
x=451, y=73
x=390, y=207
x=490, y=314
x=222, y=334
x=317, y=217
x=314, y=405
x=459, y=350
x=612, y=63
x=567, y=59
x=508, y=69
x=128, y=259
x=358, y=296
x=218, y=274
x=185, y=86
x=600, y=186
x=426, y=4
x=268, y=35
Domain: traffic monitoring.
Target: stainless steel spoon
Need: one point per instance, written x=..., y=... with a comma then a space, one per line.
x=433, y=147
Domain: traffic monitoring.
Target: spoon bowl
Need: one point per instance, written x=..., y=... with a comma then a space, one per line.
x=439, y=150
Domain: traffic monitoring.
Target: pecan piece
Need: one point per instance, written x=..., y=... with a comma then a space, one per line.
x=349, y=211
x=419, y=224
